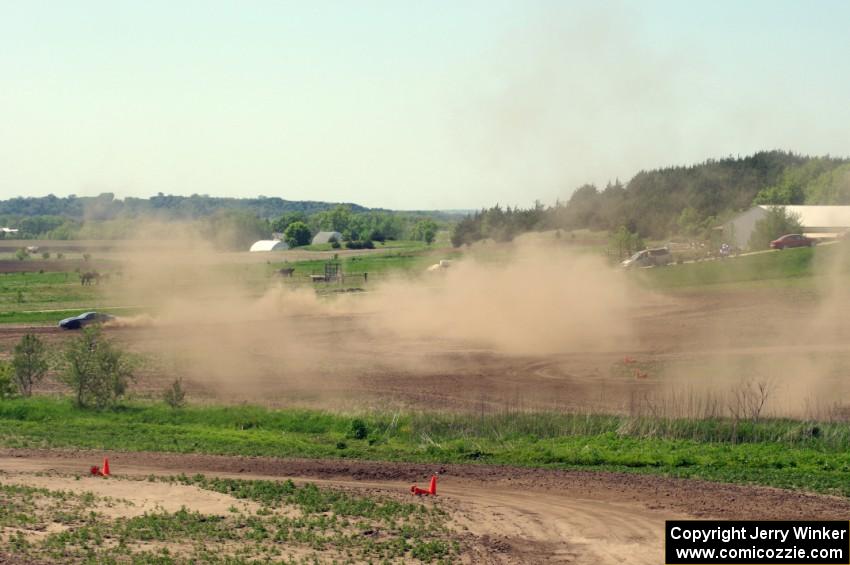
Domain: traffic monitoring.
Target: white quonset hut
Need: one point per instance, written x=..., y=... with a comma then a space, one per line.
x=269, y=245
x=817, y=221
x=326, y=237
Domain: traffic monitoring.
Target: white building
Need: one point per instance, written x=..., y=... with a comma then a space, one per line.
x=817, y=221
x=326, y=236
x=269, y=245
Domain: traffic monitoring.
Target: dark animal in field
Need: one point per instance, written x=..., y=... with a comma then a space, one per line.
x=286, y=272
x=87, y=278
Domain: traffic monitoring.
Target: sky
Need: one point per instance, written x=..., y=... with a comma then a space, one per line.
x=402, y=104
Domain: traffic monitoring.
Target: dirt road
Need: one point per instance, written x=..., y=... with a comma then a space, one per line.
x=507, y=515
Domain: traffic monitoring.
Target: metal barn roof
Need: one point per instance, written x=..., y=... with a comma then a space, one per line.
x=269, y=245
x=819, y=216
x=325, y=237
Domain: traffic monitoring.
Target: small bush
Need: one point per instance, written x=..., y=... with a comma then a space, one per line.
x=174, y=395
x=29, y=363
x=356, y=244
x=96, y=370
x=7, y=389
x=358, y=430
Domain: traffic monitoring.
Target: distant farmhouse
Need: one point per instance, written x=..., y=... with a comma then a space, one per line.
x=817, y=221
x=326, y=237
x=269, y=245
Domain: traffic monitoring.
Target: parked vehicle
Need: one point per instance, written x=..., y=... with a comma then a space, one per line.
x=78, y=322
x=792, y=240
x=649, y=258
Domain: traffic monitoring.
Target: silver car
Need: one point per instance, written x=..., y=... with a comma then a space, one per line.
x=649, y=258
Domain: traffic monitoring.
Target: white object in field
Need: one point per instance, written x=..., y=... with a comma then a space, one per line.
x=443, y=264
x=269, y=245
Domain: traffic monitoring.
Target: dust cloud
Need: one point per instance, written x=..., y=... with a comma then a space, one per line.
x=782, y=342
x=539, y=301
x=239, y=332
x=530, y=323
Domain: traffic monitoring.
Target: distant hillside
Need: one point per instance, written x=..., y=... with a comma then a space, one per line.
x=230, y=223
x=667, y=201
x=107, y=207
x=685, y=200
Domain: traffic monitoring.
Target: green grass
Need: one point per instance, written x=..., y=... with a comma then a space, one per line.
x=373, y=263
x=42, y=291
x=780, y=453
x=788, y=267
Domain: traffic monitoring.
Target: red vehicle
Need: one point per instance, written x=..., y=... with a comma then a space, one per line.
x=792, y=240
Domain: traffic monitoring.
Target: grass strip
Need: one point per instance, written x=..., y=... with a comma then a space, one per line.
x=781, y=453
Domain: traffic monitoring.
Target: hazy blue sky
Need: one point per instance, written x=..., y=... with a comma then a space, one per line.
x=451, y=104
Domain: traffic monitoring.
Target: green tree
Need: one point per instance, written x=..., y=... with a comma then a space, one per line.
x=689, y=222
x=96, y=370
x=297, y=234
x=7, y=389
x=625, y=242
x=425, y=230
x=21, y=254
x=174, y=395
x=279, y=225
x=29, y=364
x=778, y=222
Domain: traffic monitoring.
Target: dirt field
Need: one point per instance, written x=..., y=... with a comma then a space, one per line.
x=686, y=348
x=682, y=351
x=504, y=514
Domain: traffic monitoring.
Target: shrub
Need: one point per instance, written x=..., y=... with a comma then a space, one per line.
x=7, y=390
x=21, y=254
x=29, y=364
x=174, y=395
x=357, y=244
x=96, y=370
x=359, y=430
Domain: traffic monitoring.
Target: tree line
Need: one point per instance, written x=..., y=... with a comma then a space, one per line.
x=240, y=219
x=686, y=201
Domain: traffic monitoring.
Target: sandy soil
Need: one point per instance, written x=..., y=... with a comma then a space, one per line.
x=513, y=515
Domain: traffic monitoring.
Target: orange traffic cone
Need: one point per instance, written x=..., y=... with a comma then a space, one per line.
x=105, y=470
x=432, y=489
